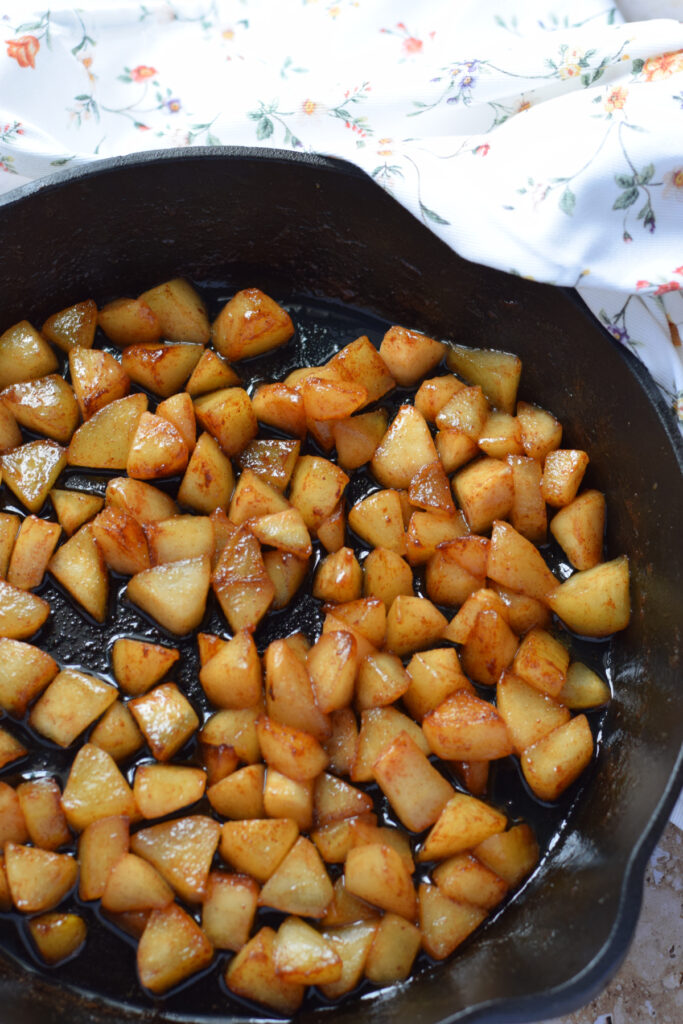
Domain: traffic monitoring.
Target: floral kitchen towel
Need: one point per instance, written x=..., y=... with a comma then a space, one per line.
x=544, y=138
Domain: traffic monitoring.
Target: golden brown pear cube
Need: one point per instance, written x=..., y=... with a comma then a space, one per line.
x=129, y=321
x=335, y=799
x=182, y=851
x=96, y=789
x=9, y=527
x=583, y=688
x=133, y=884
x=361, y=363
x=485, y=492
x=287, y=798
x=497, y=373
x=302, y=955
x=103, y=441
x=73, y=326
x=466, y=728
x=541, y=432
x=80, y=567
x=166, y=719
x=234, y=728
x=489, y=648
x=171, y=948
x=434, y=393
x=209, y=480
x=179, y=310
x=249, y=324
x=121, y=540
x=179, y=410
x=542, y=661
x=251, y=974
x=386, y=575
x=433, y=675
x=356, y=438
x=413, y=623
x=31, y=470
x=12, y=822
x=228, y=910
x=562, y=475
x=331, y=399
x=381, y=680
x=147, y=503
x=332, y=664
x=415, y=789
x=300, y=883
x=97, y=379
x=334, y=841
x=377, y=874
x=443, y=922
x=393, y=950
x=258, y=846
x=21, y=613
x=501, y=436
x=528, y=513
x=161, y=789
x=281, y=406
x=232, y=678
x=40, y=800
x=528, y=714
x=523, y=612
x=286, y=573
x=57, y=937
x=161, y=368
x=352, y=943
x=406, y=447
x=579, y=529
x=291, y=751
x=24, y=354
x=72, y=701
x=33, y=547
x=409, y=355
x=254, y=497
x=272, y=459
x=467, y=411
x=211, y=373
x=157, y=449
x=379, y=727
x=557, y=759
x=289, y=691
x=285, y=531
x=430, y=489
x=38, y=879
x=239, y=795
x=241, y=583
x=514, y=562
x=427, y=530
x=339, y=577
x=25, y=671
x=367, y=616
x=138, y=664
x=47, y=406
x=447, y=582
x=174, y=594
x=512, y=854
x=180, y=537
x=227, y=415
x=378, y=520
x=464, y=822
x=10, y=748
x=465, y=879
x=316, y=488
x=101, y=844
x=455, y=448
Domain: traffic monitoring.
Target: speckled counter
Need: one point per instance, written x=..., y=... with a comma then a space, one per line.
x=649, y=986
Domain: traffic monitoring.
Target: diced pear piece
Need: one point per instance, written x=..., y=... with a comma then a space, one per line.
x=117, y=733
x=393, y=950
x=101, y=844
x=515, y=563
x=121, y=540
x=156, y=450
x=358, y=437
x=161, y=368
x=21, y=613
x=211, y=373
x=467, y=411
x=171, y=948
x=485, y=492
x=579, y=529
x=528, y=512
x=595, y=602
x=377, y=874
x=31, y=471
x=489, y=648
x=47, y=406
x=96, y=789
x=582, y=688
x=227, y=415
x=129, y=321
x=541, y=432
x=10, y=748
x=233, y=731
x=38, y=879
x=33, y=547
x=24, y=355
x=542, y=661
x=302, y=955
x=147, y=503
x=182, y=851
x=434, y=675
x=379, y=727
x=72, y=327
x=465, y=879
x=430, y=489
x=443, y=922
x=40, y=800
x=281, y=406
x=434, y=393
x=173, y=594
x=9, y=527
x=562, y=475
x=179, y=410
x=179, y=310
x=285, y=531
x=558, y=758
x=339, y=577
x=228, y=910
x=97, y=379
x=406, y=447
x=316, y=488
x=161, y=789
x=378, y=520
x=464, y=822
x=74, y=508
x=501, y=436
x=250, y=323
x=528, y=714
x=497, y=373
x=415, y=789
x=233, y=678
x=12, y=822
x=166, y=719
x=72, y=701
x=103, y=441
x=209, y=480
x=512, y=854
x=466, y=728
x=332, y=664
x=138, y=664
x=410, y=355
x=25, y=671
x=258, y=846
x=239, y=795
x=293, y=752
x=300, y=884
x=79, y=566
x=180, y=537
x=252, y=975
x=352, y=943
x=361, y=363
x=133, y=884
x=240, y=581
x=413, y=623
x=57, y=937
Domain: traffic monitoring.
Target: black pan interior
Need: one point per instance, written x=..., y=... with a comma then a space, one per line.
x=321, y=236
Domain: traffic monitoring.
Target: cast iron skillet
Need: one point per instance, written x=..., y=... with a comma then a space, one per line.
x=295, y=224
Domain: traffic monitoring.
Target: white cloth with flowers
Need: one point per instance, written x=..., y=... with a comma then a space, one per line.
x=543, y=137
